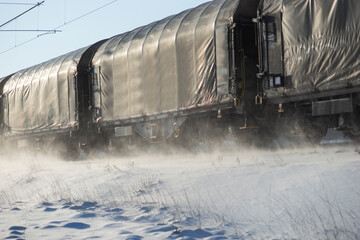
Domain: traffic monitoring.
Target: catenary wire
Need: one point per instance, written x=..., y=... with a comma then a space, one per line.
x=86, y=14
x=62, y=25
x=17, y=3
x=38, y=4
x=31, y=30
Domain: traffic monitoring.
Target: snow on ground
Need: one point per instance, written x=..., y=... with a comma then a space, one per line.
x=244, y=194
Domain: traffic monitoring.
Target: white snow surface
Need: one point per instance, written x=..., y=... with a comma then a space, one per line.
x=299, y=193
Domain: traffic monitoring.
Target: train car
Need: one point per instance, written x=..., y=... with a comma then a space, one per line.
x=40, y=102
x=309, y=64
x=183, y=74
x=44, y=104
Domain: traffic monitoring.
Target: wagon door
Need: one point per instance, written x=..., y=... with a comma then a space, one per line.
x=96, y=90
x=271, y=51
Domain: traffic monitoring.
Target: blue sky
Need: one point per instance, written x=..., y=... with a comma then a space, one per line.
x=119, y=17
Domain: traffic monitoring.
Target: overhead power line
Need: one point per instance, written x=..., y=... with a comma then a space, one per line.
x=38, y=4
x=86, y=14
x=17, y=3
x=31, y=30
x=56, y=28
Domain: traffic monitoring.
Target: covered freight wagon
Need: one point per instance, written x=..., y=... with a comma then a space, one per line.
x=309, y=47
x=181, y=65
x=42, y=98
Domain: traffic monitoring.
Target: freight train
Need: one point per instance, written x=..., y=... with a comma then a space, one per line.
x=222, y=68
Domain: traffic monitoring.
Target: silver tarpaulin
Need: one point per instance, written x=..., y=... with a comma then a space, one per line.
x=321, y=44
x=178, y=63
x=42, y=98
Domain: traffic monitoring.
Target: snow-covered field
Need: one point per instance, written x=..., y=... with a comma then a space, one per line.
x=304, y=193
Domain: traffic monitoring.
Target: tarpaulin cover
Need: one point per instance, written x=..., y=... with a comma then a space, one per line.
x=42, y=98
x=321, y=44
x=178, y=63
